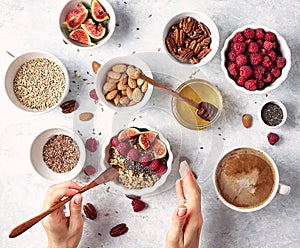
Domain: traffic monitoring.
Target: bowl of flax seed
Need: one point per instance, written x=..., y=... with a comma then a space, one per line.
x=36, y=82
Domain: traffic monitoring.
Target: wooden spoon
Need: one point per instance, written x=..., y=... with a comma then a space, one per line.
x=108, y=175
x=205, y=110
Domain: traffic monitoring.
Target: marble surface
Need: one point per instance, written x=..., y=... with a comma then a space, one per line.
x=27, y=25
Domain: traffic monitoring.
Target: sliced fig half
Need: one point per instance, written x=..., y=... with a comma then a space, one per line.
x=128, y=133
x=81, y=36
x=76, y=17
x=146, y=139
x=95, y=31
x=159, y=149
x=99, y=14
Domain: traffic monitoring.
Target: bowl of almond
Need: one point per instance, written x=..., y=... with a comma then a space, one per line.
x=118, y=86
x=144, y=157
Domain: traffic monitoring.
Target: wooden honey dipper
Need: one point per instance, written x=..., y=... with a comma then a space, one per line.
x=205, y=110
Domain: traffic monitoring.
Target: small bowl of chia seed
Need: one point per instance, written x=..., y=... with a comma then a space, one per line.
x=273, y=114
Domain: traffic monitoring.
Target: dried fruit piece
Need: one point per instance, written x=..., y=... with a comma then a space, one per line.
x=159, y=149
x=93, y=95
x=128, y=134
x=146, y=139
x=86, y=116
x=90, y=211
x=247, y=120
x=118, y=230
x=138, y=205
x=89, y=170
x=273, y=138
x=69, y=106
x=95, y=66
x=91, y=144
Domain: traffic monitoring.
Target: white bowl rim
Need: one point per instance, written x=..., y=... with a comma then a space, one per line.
x=208, y=22
x=36, y=54
x=284, y=71
x=129, y=60
x=101, y=42
x=48, y=174
x=145, y=191
x=284, y=112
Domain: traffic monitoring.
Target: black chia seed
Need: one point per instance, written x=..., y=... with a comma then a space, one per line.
x=271, y=114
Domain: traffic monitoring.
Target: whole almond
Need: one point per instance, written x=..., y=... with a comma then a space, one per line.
x=247, y=120
x=124, y=100
x=117, y=99
x=119, y=68
x=114, y=75
x=85, y=116
x=144, y=87
x=95, y=66
x=107, y=87
x=132, y=83
x=139, y=81
x=111, y=95
x=118, y=230
x=137, y=95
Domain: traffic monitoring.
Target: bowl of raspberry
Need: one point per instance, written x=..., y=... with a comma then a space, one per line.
x=255, y=59
x=144, y=157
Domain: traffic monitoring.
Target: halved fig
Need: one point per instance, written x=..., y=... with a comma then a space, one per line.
x=159, y=149
x=81, y=36
x=99, y=14
x=95, y=31
x=146, y=139
x=76, y=17
x=128, y=134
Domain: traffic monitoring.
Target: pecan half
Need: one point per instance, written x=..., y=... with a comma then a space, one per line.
x=203, y=53
x=186, y=54
x=69, y=106
x=90, y=211
x=171, y=45
x=118, y=230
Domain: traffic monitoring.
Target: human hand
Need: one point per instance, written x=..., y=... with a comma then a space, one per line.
x=187, y=219
x=63, y=231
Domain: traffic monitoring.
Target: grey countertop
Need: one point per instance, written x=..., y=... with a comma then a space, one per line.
x=27, y=25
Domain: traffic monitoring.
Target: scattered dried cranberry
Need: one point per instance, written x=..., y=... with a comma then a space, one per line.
x=273, y=138
x=89, y=170
x=138, y=205
x=93, y=94
x=91, y=144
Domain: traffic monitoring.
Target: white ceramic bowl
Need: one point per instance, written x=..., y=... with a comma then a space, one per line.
x=200, y=17
x=101, y=79
x=120, y=187
x=284, y=113
x=36, y=155
x=71, y=5
x=286, y=53
x=15, y=66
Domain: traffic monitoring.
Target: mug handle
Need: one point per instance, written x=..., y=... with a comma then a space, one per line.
x=284, y=189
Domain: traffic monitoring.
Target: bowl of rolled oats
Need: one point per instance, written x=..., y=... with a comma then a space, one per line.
x=119, y=88
x=36, y=82
x=57, y=154
x=191, y=38
x=144, y=156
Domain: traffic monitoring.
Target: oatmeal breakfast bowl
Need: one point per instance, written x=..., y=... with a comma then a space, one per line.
x=36, y=82
x=57, y=154
x=144, y=157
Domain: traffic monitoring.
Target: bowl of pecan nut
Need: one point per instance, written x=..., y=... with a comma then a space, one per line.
x=57, y=154
x=255, y=59
x=144, y=157
x=118, y=86
x=36, y=82
x=191, y=38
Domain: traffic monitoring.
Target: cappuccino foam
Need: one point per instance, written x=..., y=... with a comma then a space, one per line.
x=245, y=178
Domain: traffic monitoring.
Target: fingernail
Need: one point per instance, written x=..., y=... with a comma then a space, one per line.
x=78, y=199
x=181, y=211
x=183, y=169
x=80, y=184
x=74, y=190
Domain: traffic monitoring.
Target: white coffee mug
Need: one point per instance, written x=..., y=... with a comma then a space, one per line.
x=277, y=187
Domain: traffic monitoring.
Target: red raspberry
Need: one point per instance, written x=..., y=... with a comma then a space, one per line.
x=154, y=165
x=133, y=154
x=260, y=84
x=89, y=170
x=255, y=58
x=249, y=33
x=266, y=61
x=93, y=94
x=273, y=138
x=114, y=141
x=259, y=33
x=260, y=43
x=91, y=144
x=145, y=159
x=241, y=81
x=123, y=148
x=272, y=54
x=241, y=60
x=245, y=71
x=238, y=37
x=251, y=84
x=138, y=205
x=280, y=62
x=275, y=71
x=259, y=71
x=232, y=69
x=270, y=36
x=239, y=47
x=248, y=41
x=232, y=56
x=268, y=45
x=267, y=77
x=161, y=169
x=253, y=47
